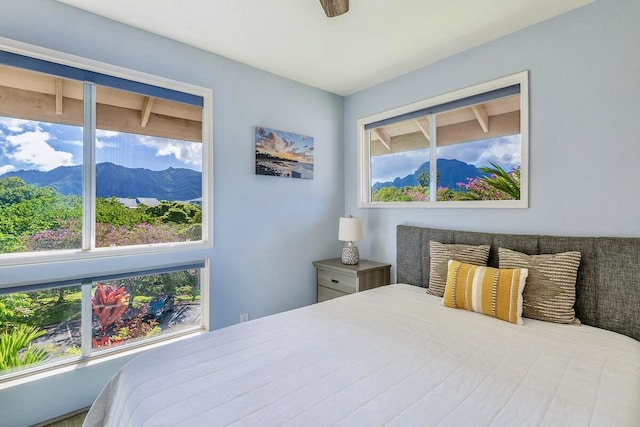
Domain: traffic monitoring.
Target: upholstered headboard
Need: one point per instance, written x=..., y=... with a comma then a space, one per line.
x=608, y=283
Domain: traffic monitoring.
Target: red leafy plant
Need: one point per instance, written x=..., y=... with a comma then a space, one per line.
x=108, y=305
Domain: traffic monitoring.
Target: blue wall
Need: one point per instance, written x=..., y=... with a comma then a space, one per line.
x=261, y=223
x=584, y=128
x=584, y=124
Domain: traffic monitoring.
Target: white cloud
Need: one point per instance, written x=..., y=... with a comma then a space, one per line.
x=100, y=144
x=103, y=135
x=391, y=166
x=33, y=148
x=6, y=168
x=187, y=152
x=106, y=133
x=18, y=125
x=502, y=151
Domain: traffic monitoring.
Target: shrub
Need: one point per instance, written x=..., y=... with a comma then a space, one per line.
x=499, y=185
x=16, y=349
x=14, y=309
x=108, y=305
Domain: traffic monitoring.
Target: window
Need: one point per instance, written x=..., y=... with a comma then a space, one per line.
x=57, y=323
x=467, y=148
x=92, y=164
x=108, y=170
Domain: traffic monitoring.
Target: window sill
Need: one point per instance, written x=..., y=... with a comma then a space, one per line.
x=493, y=204
x=20, y=259
x=40, y=373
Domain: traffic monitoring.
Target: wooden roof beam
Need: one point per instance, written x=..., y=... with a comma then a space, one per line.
x=58, y=96
x=27, y=105
x=147, y=103
x=499, y=125
x=423, y=125
x=481, y=116
x=383, y=137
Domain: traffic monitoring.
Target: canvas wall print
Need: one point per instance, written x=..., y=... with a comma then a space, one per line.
x=280, y=153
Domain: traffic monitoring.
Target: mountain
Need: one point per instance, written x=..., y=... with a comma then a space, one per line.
x=450, y=173
x=119, y=181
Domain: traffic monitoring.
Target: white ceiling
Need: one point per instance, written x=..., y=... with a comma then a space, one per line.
x=375, y=41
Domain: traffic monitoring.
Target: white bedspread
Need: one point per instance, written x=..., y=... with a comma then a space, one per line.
x=390, y=356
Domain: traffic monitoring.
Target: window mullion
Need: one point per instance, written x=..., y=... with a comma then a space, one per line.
x=86, y=320
x=433, y=158
x=366, y=157
x=89, y=169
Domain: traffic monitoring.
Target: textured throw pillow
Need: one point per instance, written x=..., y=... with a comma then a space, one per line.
x=551, y=286
x=441, y=253
x=491, y=291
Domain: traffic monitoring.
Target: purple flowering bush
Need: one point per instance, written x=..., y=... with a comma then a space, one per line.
x=68, y=235
x=115, y=226
x=137, y=234
x=497, y=184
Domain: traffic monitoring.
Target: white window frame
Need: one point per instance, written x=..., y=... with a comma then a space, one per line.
x=16, y=259
x=18, y=267
x=89, y=354
x=364, y=157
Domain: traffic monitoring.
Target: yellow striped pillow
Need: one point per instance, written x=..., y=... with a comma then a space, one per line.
x=496, y=292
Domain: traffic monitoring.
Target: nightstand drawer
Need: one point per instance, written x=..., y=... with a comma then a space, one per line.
x=325, y=294
x=340, y=282
x=335, y=279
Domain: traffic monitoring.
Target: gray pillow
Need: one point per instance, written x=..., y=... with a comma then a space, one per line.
x=441, y=253
x=550, y=291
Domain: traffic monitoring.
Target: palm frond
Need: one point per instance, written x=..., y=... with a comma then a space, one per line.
x=502, y=180
x=16, y=349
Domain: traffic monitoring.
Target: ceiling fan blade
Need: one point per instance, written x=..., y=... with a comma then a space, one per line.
x=334, y=7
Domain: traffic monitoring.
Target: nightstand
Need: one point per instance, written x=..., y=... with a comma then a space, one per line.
x=335, y=279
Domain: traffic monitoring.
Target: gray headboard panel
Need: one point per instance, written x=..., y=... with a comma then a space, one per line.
x=608, y=283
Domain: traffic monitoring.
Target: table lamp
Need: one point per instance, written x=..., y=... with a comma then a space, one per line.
x=350, y=230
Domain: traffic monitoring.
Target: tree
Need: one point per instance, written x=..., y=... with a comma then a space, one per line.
x=44, y=210
x=14, y=190
x=390, y=194
x=423, y=178
x=110, y=211
x=175, y=212
x=9, y=243
x=27, y=210
x=14, y=309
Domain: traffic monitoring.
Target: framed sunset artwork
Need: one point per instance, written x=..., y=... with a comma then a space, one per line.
x=280, y=153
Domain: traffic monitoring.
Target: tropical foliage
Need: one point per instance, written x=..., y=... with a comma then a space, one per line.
x=496, y=184
x=108, y=305
x=36, y=219
x=14, y=309
x=17, y=350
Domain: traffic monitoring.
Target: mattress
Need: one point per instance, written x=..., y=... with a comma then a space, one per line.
x=391, y=356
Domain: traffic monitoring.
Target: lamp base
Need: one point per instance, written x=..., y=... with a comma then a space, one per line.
x=350, y=255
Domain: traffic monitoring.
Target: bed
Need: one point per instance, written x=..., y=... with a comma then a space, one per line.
x=396, y=356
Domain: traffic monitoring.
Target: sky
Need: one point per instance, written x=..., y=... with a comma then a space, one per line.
x=504, y=151
x=29, y=145
x=285, y=145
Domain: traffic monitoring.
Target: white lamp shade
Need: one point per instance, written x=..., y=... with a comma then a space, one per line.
x=350, y=229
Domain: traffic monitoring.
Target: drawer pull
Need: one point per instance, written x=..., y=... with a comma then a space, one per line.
x=335, y=281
